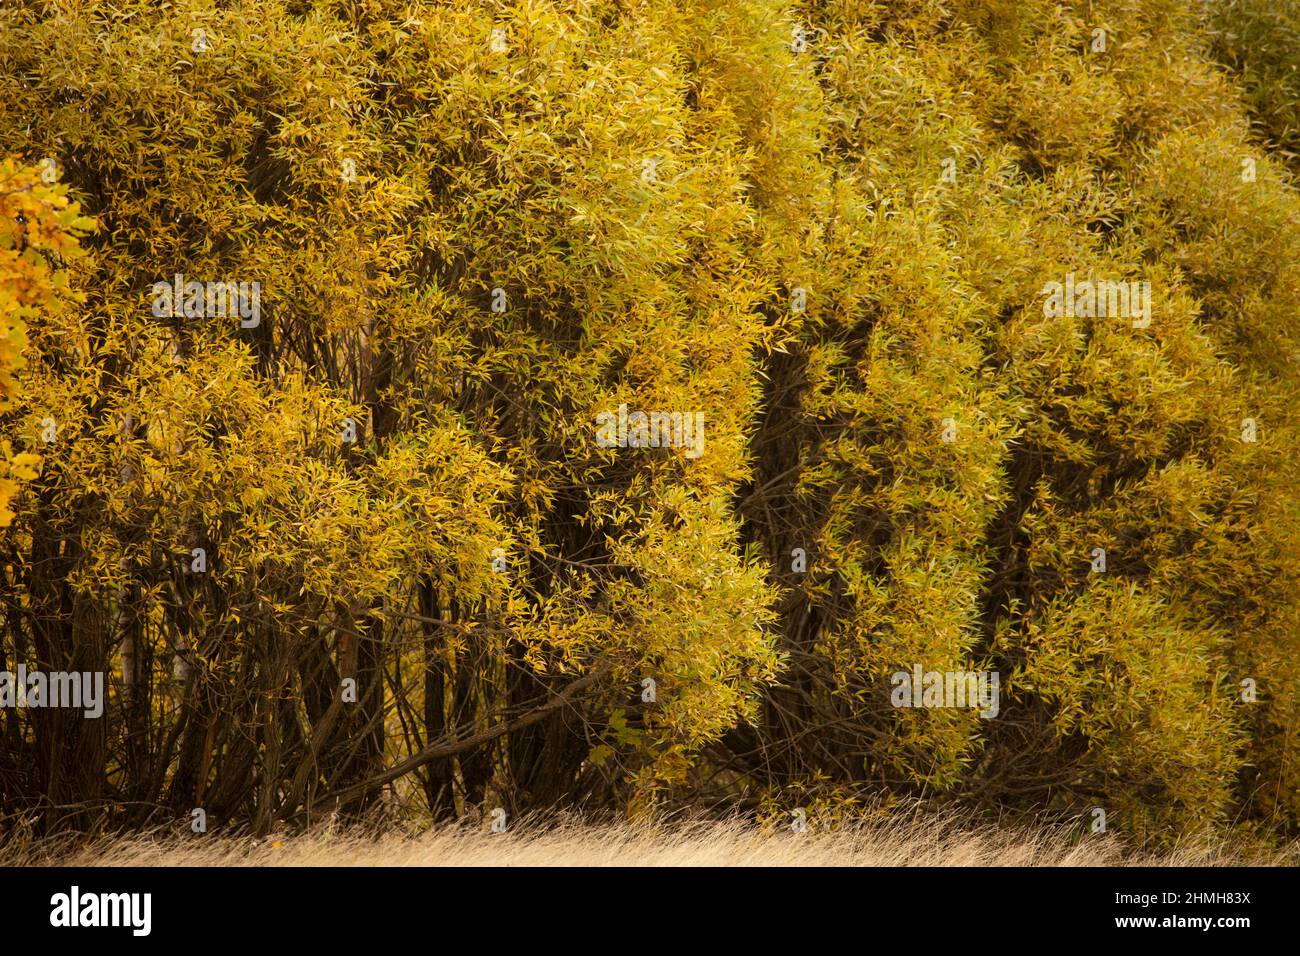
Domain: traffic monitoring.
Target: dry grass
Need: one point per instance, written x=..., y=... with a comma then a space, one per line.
x=931, y=841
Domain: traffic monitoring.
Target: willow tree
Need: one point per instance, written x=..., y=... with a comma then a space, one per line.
x=360, y=531
x=1096, y=503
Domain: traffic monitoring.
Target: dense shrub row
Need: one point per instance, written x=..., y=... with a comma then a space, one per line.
x=369, y=534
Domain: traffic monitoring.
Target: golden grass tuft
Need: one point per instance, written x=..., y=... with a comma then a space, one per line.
x=927, y=841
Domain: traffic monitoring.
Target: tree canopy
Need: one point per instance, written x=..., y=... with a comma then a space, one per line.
x=339, y=518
